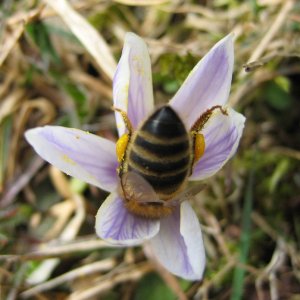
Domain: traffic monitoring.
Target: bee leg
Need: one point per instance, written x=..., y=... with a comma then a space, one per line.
x=199, y=145
x=121, y=146
x=125, y=119
x=197, y=137
x=123, y=141
x=202, y=120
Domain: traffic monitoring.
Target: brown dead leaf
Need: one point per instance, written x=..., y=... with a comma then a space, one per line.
x=9, y=41
x=48, y=113
x=142, y=2
x=14, y=29
x=87, y=35
x=10, y=103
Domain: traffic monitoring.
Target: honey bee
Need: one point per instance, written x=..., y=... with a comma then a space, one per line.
x=157, y=159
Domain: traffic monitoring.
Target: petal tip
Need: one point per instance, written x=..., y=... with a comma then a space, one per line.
x=129, y=35
x=238, y=118
x=227, y=43
x=32, y=134
x=132, y=38
x=229, y=38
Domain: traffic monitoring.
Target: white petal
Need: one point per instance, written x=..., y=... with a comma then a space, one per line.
x=115, y=224
x=179, y=245
x=192, y=235
x=132, y=84
x=208, y=84
x=222, y=135
x=78, y=153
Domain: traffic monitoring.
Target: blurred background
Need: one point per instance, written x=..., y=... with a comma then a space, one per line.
x=57, y=60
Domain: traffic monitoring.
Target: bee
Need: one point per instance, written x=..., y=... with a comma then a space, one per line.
x=156, y=160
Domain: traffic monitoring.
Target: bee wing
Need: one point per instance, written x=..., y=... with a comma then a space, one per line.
x=137, y=188
x=188, y=194
x=195, y=189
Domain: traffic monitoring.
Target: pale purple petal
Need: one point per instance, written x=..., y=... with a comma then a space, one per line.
x=208, y=84
x=179, y=245
x=222, y=134
x=132, y=84
x=77, y=153
x=117, y=225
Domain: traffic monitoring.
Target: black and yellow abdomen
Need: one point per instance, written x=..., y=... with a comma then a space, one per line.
x=160, y=151
x=156, y=160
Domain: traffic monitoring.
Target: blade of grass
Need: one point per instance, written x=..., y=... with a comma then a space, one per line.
x=40, y=35
x=239, y=273
x=142, y=2
x=87, y=35
x=5, y=132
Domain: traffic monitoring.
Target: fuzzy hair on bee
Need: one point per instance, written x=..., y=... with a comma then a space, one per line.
x=142, y=199
x=157, y=159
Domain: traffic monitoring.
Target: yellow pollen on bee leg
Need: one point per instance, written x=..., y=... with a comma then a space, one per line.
x=121, y=146
x=199, y=146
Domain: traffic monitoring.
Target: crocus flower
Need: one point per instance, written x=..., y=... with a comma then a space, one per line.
x=176, y=240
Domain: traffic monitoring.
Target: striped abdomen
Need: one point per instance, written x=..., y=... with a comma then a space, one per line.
x=160, y=151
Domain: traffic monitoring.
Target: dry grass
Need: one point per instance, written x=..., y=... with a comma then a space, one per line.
x=56, y=68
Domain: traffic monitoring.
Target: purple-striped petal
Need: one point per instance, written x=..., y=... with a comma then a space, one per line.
x=117, y=225
x=132, y=84
x=208, y=84
x=78, y=153
x=222, y=134
x=179, y=246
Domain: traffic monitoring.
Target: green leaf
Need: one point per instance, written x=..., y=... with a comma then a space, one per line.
x=171, y=86
x=76, y=94
x=21, y=217
x=280, y=170
x=40, y=35
x=277, y=94
x=77, y=186
x=152, y=287
x=173, y=71
x=5, y=135
x=239, y=273
x=284, y=83
x=78, y=97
